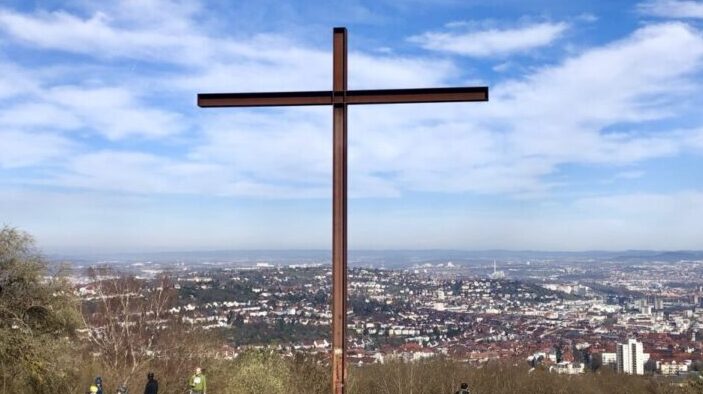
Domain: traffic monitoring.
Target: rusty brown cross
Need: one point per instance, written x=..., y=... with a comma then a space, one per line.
x=339, y=97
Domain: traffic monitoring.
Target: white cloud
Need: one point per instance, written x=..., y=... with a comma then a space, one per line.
x=492, y=42
x=20, y=149
x=629, y=174
x=262, y=62
x=587, y=17
x=115, y=112
x=672, y=8
x=34, y=115
x=147, y=174
x=593, y=107
x=533, y=125
x=286, y=146
x=98, y=35
x=502, y=67
x=14, y=81
x=560, y=112
x=270, y=64
x=694, y=138
x=135, y=172
x=389, y=72
x=257, y=62
x=555, y=116
x=61, y=95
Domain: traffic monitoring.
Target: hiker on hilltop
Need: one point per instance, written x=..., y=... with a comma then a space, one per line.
x=197, y=382
x=463, y=389
x=99, y=384
x=152, y=385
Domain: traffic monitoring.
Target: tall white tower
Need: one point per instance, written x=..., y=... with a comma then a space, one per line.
x=496, y=274
x=630, y=357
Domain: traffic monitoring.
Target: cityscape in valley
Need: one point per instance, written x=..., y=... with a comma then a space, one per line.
x=635, y=312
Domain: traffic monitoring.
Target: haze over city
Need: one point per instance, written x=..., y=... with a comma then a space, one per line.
x=591, y=139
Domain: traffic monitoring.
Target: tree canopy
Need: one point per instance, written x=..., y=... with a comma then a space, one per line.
x=38, y=316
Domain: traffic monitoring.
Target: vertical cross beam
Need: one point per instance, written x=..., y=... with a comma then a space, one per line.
x=339, y=210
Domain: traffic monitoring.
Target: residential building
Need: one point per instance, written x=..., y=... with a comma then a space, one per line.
x=630, y=357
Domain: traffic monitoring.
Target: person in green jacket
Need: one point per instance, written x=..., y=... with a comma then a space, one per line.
x=197, y=382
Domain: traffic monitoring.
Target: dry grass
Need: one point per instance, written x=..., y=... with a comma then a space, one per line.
x=260, y=372
x=444, y=376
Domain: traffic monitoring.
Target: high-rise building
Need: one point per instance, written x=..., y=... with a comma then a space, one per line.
x=630, y=357
x=658, y=304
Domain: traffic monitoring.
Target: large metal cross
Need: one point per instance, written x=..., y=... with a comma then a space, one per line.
x=339, y=97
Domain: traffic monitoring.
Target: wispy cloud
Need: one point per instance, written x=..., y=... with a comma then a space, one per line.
x=14, y=81
x=22, y=149
x=100, y=102
x=492, y=42
x=562, y=111
x=111, y=112
x=210, y=61
x=672, y=9
x=554, y=116
x=135, y=172
x=534, y=124
x=100, y=35
x=115, y=113
x=559, y=115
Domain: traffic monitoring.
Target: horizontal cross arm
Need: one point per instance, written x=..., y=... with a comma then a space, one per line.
x=326, y=97
x=431, y=95
x=267, y=99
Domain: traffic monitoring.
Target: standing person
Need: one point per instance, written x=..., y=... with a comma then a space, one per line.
x=197, y=382
x=152, y=385
x=463, y=389
x=99, y=384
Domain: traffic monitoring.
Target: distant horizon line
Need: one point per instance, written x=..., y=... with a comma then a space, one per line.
x=369, y=250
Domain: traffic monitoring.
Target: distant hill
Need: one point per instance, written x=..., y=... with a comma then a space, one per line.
x=665, y=256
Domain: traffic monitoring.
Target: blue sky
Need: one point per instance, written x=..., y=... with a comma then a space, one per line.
x=593, y=138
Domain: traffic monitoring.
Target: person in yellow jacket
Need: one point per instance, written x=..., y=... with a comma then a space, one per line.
x=197, y=382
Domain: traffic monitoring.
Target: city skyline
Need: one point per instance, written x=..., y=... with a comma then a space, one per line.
x=592, y=139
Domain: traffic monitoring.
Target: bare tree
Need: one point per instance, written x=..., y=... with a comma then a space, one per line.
x=127, y=319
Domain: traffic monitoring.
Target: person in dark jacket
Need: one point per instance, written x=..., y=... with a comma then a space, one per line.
x=463, y=389
x=152, y=385
x=99, y=384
